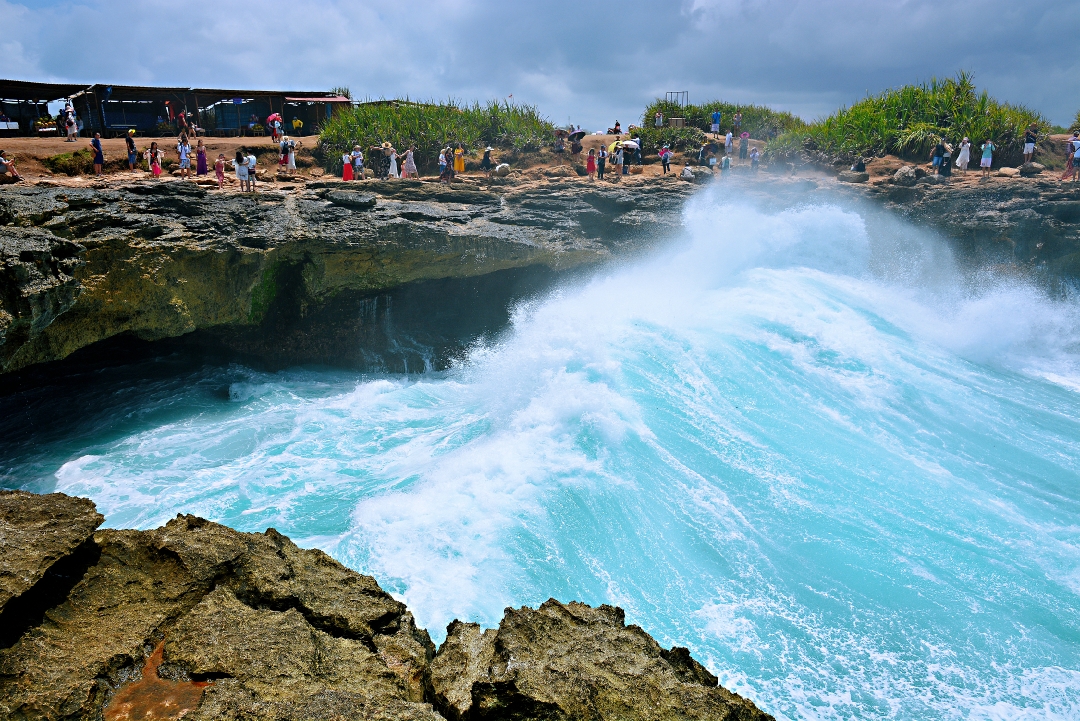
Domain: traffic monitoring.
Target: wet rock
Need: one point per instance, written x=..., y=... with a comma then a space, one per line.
x=572, y=661
x=1030, y=170
x=163, y=259
x=851, y=176
x=35, y=533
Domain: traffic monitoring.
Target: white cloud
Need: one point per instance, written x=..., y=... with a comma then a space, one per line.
x=589, y=61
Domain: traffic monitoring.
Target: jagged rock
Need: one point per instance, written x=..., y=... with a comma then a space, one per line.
x=572, y=661
x=163, y=259
x=198, y=620
x=851, y=176
x=905, y=176
x=1030, y=170
x=36, y=532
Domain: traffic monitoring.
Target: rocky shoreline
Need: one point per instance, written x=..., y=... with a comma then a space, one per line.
x=304, y=272
x=199, y=621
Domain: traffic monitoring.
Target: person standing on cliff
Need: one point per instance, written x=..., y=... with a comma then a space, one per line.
x=988, y=149
x=937, y=155
x=601, y=162
x=1031, y=135
x=132, y=151
x=716, y=122
x=1070, y=148
x=964, y=157
x=99, y=154
x=744, y=142
x=183, y=152
x=590, y=164
x=738, y=121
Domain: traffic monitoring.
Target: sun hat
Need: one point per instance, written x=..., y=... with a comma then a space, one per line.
x=356, y=147
x=131, y=131
x=386, y=144
x=489, y=148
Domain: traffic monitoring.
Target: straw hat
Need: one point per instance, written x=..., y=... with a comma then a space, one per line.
x=356, y=147
x=386, y=144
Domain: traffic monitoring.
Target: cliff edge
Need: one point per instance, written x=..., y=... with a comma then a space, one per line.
x=199, y=621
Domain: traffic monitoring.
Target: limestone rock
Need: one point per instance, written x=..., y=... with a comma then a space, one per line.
x=1007, y=172
x=35, y=533
x=572, y=661
x=851, y=176
x=905, y=176
x=1030, y=170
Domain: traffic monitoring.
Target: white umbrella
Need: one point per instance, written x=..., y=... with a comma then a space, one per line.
x=630, y=144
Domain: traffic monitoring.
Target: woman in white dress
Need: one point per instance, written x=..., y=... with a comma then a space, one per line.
x=408, y=168
x=393, y=164
x=964, y=157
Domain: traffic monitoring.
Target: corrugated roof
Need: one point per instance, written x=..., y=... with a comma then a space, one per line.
x=26, y=90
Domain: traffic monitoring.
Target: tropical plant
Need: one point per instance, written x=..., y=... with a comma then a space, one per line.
x=1075, y=127
x=758, y=120
x=432, y=127
x=908, y=121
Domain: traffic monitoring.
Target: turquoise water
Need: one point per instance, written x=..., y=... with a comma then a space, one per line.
x=802, y=442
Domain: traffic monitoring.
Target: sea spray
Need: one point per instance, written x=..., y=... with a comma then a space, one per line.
x=807, y=442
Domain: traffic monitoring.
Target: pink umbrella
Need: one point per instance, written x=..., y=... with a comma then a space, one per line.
x=273, y=117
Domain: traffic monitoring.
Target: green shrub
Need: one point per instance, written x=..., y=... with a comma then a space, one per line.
x=80, y=162
x=431, y=127
x=1075, y=127
x=908, y=121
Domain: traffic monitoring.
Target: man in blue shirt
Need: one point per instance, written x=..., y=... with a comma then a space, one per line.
x=716, y=121
x=99, y=154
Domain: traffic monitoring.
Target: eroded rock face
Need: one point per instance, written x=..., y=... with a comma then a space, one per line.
x=572, y=661
x=198, y=620
x=160, y=260
x=36, y=532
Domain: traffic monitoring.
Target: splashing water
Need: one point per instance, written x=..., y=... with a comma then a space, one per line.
x=801, y=442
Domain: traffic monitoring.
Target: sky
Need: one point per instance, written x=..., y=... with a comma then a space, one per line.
x=579, y=61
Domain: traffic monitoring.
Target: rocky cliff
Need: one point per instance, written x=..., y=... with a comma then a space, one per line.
x=160, y=260
x=198, y=621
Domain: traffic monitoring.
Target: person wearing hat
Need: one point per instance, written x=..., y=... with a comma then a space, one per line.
x=297, y=126
x=132, y=152
x=485, y=163
x=665, y=158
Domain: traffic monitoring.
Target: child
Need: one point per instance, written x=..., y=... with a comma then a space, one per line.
x=153, y=159
x=590, y=164
x=219, y=170
x=252, y=160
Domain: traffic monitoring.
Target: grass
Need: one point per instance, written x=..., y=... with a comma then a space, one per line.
x=908, y=121
x=432, y=127
x=760, y=121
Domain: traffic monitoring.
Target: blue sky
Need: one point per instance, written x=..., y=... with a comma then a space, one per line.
x=587, y=62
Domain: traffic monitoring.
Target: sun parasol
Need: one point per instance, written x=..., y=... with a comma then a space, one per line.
x=273, y=117
x=577, y=135
x=629, y=144
x=611, y=148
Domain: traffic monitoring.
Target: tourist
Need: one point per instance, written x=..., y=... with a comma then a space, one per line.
x=715, y=127
x=297, y=126
x=219, y=170
x=132, y=151
x=459, y=159
x=240, y=163
x=637, y=149
x=937, y=155
x=665, y=158
x=442, y=165
x=71, y=125
x=686, y=173
x=755, y=154
x=1075, y=157
x=153, y=159
x=201, y=167
x=408, y=168
x=1070, y=148
x=601, y=162
x=357, y=157
x=729, y=143
x=964, y=157
x=99, y=154
x=738, y=121
x=393, y=171
x=485, y=162
x=252, y=161
x=725, y=165
x=744, y=143
x=181, y=124
x=347, y=166
x=701, y=153
x=1031, y=135
x=945, y=169
x=590, y=164
x=658, y=120
x=7, y=167
x=183, y=152
x=290, y=155
x=252, y=122
x=618, y=128
x=988, y=149
x=620, y=162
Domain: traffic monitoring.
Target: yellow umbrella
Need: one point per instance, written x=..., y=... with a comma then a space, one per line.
x=611, y=148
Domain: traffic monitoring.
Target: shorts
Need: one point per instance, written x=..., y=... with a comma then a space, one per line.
x=985, y=162
x=99, y=159
x=715, y=127
x=132, y=157
x=1029, y=148
x=185, y=163
x=937, y=161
